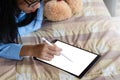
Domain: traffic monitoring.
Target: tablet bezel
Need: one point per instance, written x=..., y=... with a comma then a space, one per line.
x=85, y=70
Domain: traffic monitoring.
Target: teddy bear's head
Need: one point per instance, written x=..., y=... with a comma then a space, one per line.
x=57, y=10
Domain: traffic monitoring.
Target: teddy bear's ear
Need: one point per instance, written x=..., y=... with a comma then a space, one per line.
x=57, y=10
x=75, y=5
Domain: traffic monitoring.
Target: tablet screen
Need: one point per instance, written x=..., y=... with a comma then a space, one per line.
x=72, y=59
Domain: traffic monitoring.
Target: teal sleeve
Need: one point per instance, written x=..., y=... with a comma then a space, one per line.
x=10, y=51
x=34, y=25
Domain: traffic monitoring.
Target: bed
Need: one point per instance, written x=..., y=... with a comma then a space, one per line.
x=93, y=29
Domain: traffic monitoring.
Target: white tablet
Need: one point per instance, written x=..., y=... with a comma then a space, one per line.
x=73, y=60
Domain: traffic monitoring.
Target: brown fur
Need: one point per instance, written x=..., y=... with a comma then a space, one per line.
x=61, y=10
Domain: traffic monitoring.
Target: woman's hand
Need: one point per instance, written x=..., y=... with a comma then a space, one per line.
x=43, y=51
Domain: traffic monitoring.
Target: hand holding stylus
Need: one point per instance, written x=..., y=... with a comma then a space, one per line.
x=52, y=45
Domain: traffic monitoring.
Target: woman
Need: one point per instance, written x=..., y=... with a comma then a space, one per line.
x=21, y=17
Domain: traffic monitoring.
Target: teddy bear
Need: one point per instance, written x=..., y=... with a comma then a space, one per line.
x=58, y=10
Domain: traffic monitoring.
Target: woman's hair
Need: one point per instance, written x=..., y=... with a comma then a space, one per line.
x=8, y=25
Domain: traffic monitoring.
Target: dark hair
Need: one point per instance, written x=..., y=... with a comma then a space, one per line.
x=8, y=25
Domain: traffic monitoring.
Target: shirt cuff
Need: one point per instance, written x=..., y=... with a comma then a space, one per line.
x=11, y=51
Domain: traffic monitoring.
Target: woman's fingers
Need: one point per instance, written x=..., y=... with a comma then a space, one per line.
x=54, y=50
x=47, y=57
x=47, y=52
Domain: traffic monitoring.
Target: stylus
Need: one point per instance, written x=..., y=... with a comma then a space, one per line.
x=52, y=45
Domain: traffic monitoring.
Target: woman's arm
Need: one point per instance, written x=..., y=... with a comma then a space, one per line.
x=43, y=51
x=17, y=51
x=35, y=24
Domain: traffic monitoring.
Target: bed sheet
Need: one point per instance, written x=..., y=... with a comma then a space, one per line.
x=95, y=31
x=96, y=34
